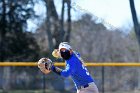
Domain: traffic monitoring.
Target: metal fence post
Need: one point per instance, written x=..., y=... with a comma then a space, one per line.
x=102, y=79
x=44, y=83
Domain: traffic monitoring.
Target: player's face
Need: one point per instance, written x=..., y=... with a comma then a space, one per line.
x=65, y=54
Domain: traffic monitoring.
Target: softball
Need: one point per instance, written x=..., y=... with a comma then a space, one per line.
x=55, y=53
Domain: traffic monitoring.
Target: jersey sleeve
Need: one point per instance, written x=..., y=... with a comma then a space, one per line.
x=70, y=68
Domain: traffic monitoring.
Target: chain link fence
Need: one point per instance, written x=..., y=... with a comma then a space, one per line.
x=17, y=79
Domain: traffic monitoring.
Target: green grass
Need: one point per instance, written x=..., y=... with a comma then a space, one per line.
x=33, y=91
x=138, y=91
x=53, y=91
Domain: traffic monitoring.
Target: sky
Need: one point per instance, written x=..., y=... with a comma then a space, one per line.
x=114, y=12
x=111, y=12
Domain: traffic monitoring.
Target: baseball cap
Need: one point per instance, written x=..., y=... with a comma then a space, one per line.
x=64, y=45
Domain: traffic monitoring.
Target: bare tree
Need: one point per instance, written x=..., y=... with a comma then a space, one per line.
x=55, y=26
x=68, y=21
x=135, y=20
x=52, y=18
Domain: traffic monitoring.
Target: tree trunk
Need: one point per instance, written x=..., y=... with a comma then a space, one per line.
x=68, y=21
x=50, y=38
x=3, y=31
x=54, y=23
x=135, y=20
x=137, y=30
x=62, y=20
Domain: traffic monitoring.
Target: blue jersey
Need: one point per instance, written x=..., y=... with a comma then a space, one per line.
x=78, y=72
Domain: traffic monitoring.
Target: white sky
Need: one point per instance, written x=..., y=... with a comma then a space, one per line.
x=114, y=12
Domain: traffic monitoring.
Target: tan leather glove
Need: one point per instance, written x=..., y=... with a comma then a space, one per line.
x=45, y=64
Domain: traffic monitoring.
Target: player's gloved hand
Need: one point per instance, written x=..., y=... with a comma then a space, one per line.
x=45, y=64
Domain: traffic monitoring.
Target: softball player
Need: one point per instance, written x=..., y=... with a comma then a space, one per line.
x=74, y=67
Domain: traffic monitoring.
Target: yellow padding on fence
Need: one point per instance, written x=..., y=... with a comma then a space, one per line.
x=63, y=64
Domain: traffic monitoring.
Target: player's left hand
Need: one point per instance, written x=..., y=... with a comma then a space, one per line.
x=45, y=64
